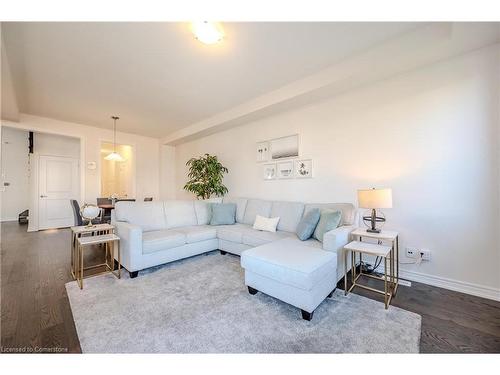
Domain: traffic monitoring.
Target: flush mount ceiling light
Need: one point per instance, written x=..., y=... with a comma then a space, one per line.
x=114, y=156
x=207, y=32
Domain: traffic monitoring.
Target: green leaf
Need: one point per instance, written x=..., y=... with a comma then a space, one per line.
x=206, y=176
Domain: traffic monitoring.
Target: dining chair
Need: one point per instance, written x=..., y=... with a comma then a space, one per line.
x=105, y=212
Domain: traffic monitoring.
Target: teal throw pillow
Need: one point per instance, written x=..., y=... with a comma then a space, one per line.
x=307, y=224
x=223, y=213
x=329, y=219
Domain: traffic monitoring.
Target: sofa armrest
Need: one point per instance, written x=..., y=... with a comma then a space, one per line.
x=337, y=238
x=130, y=244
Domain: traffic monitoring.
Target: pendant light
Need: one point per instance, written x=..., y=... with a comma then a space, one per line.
x=114, y=156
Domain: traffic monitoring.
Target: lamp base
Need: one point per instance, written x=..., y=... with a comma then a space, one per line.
x=369, y=230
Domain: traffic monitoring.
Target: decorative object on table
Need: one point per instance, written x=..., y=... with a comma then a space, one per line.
x=374, y=199
x=114, y=156
x=206, y=175
x=303, y=168
x=269, y=171
x=90, y=212
x=285, y=147
x=285, y=169
x=262, y=153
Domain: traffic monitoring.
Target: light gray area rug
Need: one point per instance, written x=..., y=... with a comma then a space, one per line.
x=201, y=305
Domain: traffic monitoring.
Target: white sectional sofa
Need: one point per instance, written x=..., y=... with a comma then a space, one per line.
x=154, y=233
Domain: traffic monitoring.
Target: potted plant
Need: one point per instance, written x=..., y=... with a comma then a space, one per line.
x=205, y=175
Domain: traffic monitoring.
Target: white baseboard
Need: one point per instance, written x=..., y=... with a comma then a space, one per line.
x=451, y=284
x=8, y=219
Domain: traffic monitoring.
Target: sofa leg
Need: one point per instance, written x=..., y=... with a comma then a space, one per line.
x=222, y=252
x=251, y=290
x=331, y=293
x=307, y=315
x=133, y=274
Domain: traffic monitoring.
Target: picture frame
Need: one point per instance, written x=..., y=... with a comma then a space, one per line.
x=262, y=151
x=285, y=170
x=269, y=171
x=303, y=168
x=284, y=147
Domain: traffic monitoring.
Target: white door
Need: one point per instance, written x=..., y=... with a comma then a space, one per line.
x=58, y=184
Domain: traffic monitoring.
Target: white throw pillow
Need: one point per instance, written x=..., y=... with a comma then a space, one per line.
x=268, y=224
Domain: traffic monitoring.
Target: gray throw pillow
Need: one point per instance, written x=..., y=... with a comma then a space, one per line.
x=307, y=224
x=328, y=220
x=223, y=213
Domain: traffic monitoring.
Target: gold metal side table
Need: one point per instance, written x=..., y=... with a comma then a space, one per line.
x=83, y=230
x=361, y=248
x=385, y=237
x=109, y=241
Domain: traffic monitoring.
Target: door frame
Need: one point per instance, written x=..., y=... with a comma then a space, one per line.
x=34, y=160
x=134, y=163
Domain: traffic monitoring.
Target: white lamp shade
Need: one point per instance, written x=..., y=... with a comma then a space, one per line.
x=114, y=156
x=375, y=198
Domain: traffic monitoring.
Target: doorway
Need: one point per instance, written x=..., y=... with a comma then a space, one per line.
x=117, y=178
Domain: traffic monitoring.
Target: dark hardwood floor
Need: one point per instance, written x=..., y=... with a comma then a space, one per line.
x=36, y=316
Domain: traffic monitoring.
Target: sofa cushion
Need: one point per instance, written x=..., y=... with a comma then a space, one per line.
x=223, y=213
x=289, y=262
x=347, y=209
x=198, y=233
x=307, y=224
x=253, y=237
x=161, y=240
x=148, y=215
x=203, y=211
x=233, y=233
x=241, y=204
x=289, y=213
x=256, y=207
x=180, y=213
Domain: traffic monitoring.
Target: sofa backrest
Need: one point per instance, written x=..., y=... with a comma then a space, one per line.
x=180, y=213
x=203, y=210
x=241, y=205
x=289, y=213
x=148, y=215
x=256, y=207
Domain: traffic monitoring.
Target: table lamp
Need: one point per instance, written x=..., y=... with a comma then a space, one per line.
x=374, y=199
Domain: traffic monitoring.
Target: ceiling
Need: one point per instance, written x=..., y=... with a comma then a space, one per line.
x=158, y=78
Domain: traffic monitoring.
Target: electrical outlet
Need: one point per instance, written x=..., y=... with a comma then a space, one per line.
x=426, y=254
x=411, y=252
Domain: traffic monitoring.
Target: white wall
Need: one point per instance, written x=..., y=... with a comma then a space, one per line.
x=431, y=135
x=167, y=172
x=15, y=171
x=146, y=150
x=56, y=145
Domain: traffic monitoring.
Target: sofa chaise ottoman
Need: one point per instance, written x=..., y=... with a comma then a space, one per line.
x=291, y=272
